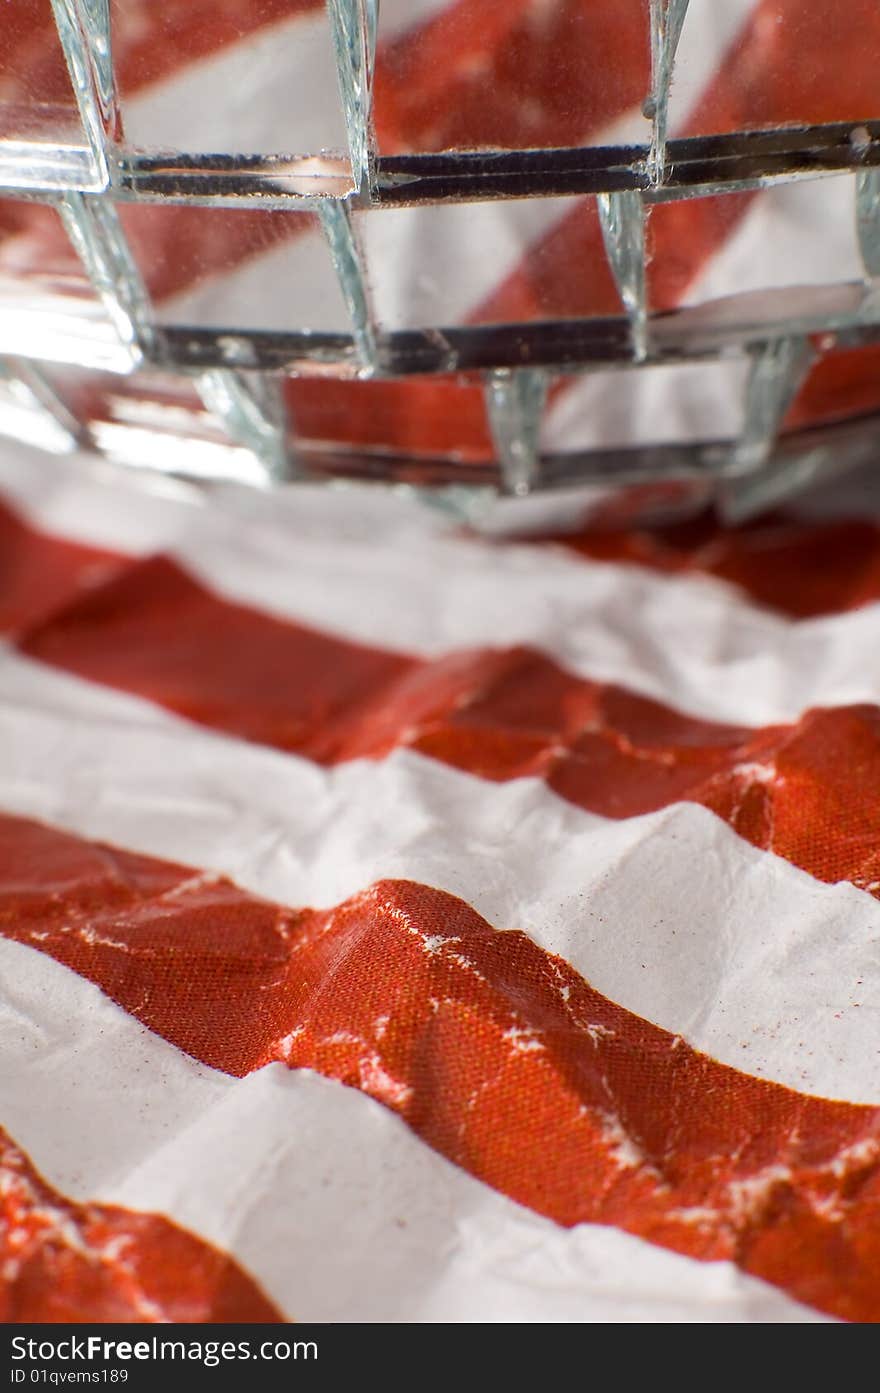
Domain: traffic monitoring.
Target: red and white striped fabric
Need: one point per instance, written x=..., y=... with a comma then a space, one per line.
x=401, y=925
x=404, y=925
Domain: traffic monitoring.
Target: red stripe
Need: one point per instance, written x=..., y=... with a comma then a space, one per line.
x=63, y=1261
x=809, y=791
x=221, y=664
x=496, y=1053
x=799, y=568
x=38, y=572
x=841, y=383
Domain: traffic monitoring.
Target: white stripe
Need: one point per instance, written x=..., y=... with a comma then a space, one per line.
x=670, y=914
x=84, y=1087
x=378, y=569
x=96, y=503
x=336, y=1208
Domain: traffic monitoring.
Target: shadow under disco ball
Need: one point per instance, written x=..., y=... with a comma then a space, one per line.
x=615, y=259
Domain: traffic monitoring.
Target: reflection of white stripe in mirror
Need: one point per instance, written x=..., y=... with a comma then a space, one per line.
x=797, y=233
x=673, y=403
x=434, y=266
x=706, y=35
x=291, y=287
x=272, y=92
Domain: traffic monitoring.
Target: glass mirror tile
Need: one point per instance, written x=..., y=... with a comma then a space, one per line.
x=29, y=411
x=760, y=64
x=42, y=139
x=773, y=254
x=239, y=268
x=282, y=229
x=155, y=421
x=664, y=404
x=487, y=263
x=441, y=416
x=49, y=307
x=795, y=233
x=842, y=384
x=482, y=74
x=234, y=77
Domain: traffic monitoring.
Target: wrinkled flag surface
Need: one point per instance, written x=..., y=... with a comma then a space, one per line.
x=398, y=924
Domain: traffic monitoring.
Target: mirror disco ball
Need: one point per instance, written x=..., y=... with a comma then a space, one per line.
x=616, y=259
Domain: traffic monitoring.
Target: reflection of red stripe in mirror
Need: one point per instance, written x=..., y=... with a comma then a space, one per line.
x=421, y=416
x=842, y=383
x=509, y=73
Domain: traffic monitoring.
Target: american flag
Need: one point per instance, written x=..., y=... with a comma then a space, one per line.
x=403, y=923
